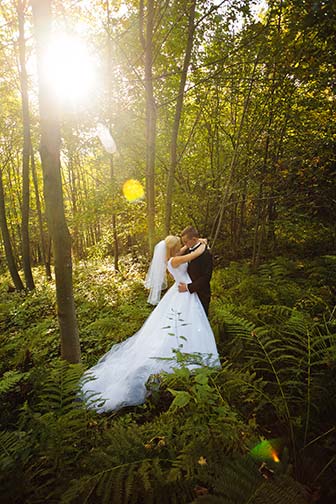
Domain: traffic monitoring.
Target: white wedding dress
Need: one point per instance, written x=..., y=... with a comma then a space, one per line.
x=178, y=322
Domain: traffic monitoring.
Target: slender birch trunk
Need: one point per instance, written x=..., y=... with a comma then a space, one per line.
x=110, y=81
x=177, y=117
x=7, y=242
x=146, y=36
x=45, y=256
x=21, y=5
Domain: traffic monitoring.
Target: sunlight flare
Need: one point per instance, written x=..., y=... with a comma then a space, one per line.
x=70, y=69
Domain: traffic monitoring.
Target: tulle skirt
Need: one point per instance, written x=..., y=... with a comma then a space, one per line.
x=178, y=323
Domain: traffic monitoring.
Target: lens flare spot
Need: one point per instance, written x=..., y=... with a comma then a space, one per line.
x=266, y=450
x=275, y=456
x=133, y=190
x=106, y=138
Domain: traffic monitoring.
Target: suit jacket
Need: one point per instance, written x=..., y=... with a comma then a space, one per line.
x=200, y=272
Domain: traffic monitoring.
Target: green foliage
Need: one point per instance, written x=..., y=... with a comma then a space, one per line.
x=136, y=482
x=255, y=163
x=33, y=306
x=239, y=480
x=281, y=283
x=9, y=380
x=292, y=349
x=190, y=441
x=58, y=425
x=60, y=388
x=16, y=451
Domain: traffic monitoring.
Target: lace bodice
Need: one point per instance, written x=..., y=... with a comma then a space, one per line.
x=180, y=273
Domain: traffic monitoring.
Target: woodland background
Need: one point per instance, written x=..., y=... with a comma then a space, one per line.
x=224, y=112
x=252, y=162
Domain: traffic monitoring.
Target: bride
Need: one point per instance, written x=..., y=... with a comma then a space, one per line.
x=177, y=324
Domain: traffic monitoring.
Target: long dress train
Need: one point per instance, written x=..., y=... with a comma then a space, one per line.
x=177, y=322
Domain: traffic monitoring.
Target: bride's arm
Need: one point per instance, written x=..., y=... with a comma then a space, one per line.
x=182, y=250
x=177, y=260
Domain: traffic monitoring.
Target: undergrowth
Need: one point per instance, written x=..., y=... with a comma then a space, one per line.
x=195, y=438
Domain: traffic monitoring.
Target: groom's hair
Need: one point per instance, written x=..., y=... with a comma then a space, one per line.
x=190, y=232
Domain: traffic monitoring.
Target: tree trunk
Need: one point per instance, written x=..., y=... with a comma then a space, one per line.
x=13, y=214
x=256, y=235
x=114, y=223
x=177, y=117
x=147, y=43
x=45, y=256
x=242, y=218
x=110, y=90
x=50, y=156
x=234, y=224
x=26, y=149
x=72, y=192
x=262, y=236
x=7, y=243
x=271, y=210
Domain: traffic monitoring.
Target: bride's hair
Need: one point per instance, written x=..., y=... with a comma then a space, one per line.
x=173, y=244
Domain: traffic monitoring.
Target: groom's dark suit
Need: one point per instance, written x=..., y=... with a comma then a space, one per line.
x=200, y=271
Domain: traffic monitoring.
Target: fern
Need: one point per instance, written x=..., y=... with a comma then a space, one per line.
x=290, y=352
x=15, y=453
x=131, y=483
x=105, y=326
x=280, y=490
x=10, y=445
x=10, y=380
x=234, y=324
x=276, y=271
x=59, y=431
x=230, y=328
x=288, y=358
x=60, y=388
x=240, y=481
x=271, y=315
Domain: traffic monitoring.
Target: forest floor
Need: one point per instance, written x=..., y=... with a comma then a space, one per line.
x=261, y=429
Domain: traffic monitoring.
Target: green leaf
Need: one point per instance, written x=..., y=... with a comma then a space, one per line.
x=201, y=378
x=182, y=398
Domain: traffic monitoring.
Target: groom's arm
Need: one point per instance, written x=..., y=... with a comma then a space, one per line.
x=204, y=279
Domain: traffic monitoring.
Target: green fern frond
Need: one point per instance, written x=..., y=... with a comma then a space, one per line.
x=10, y=379
x=131, y=483
x=60, y=388
x=105, y=326
x=241, y=481
x=289, y=359
x=275, y=270
x=280, y=490
x=10, y=444
x=230, y=326
x=274, y=315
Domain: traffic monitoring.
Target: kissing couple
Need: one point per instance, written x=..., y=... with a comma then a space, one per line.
x=179, y=322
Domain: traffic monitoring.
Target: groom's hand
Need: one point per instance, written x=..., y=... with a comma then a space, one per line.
x=182, y=287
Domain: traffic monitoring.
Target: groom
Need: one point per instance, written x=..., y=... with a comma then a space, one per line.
x=199, y=270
